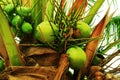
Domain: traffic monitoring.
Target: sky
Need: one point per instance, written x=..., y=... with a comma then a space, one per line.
x=104, y=7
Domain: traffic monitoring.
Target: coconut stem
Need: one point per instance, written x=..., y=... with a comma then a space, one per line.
x=63, y=64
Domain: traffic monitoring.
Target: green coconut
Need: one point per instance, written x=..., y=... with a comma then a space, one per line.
x=9, y=8
x=82, y=30
x=46, y=31
x=17, y=20
x=77, y=57
x=27, y=28
x=23, y=11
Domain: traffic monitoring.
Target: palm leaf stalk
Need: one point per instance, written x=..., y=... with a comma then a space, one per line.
x=9, y=42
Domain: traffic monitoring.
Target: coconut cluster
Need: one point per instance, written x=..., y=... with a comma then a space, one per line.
x=18, y=18
x=46, y=33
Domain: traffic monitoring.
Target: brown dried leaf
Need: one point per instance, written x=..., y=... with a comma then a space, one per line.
x=93, y=70
x=46, y=59
x=32, y=73
x=30, y=76
x=39, y=51
x=44, y=56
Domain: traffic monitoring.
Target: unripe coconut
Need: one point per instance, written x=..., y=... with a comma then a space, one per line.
x=23, y=11
x=46, y=31
x=82, y=30
x=77, y=57
x=27, y=28
x=17, y=20
x=9, y=8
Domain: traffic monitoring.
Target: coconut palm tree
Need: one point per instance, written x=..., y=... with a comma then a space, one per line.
x=29, y=50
